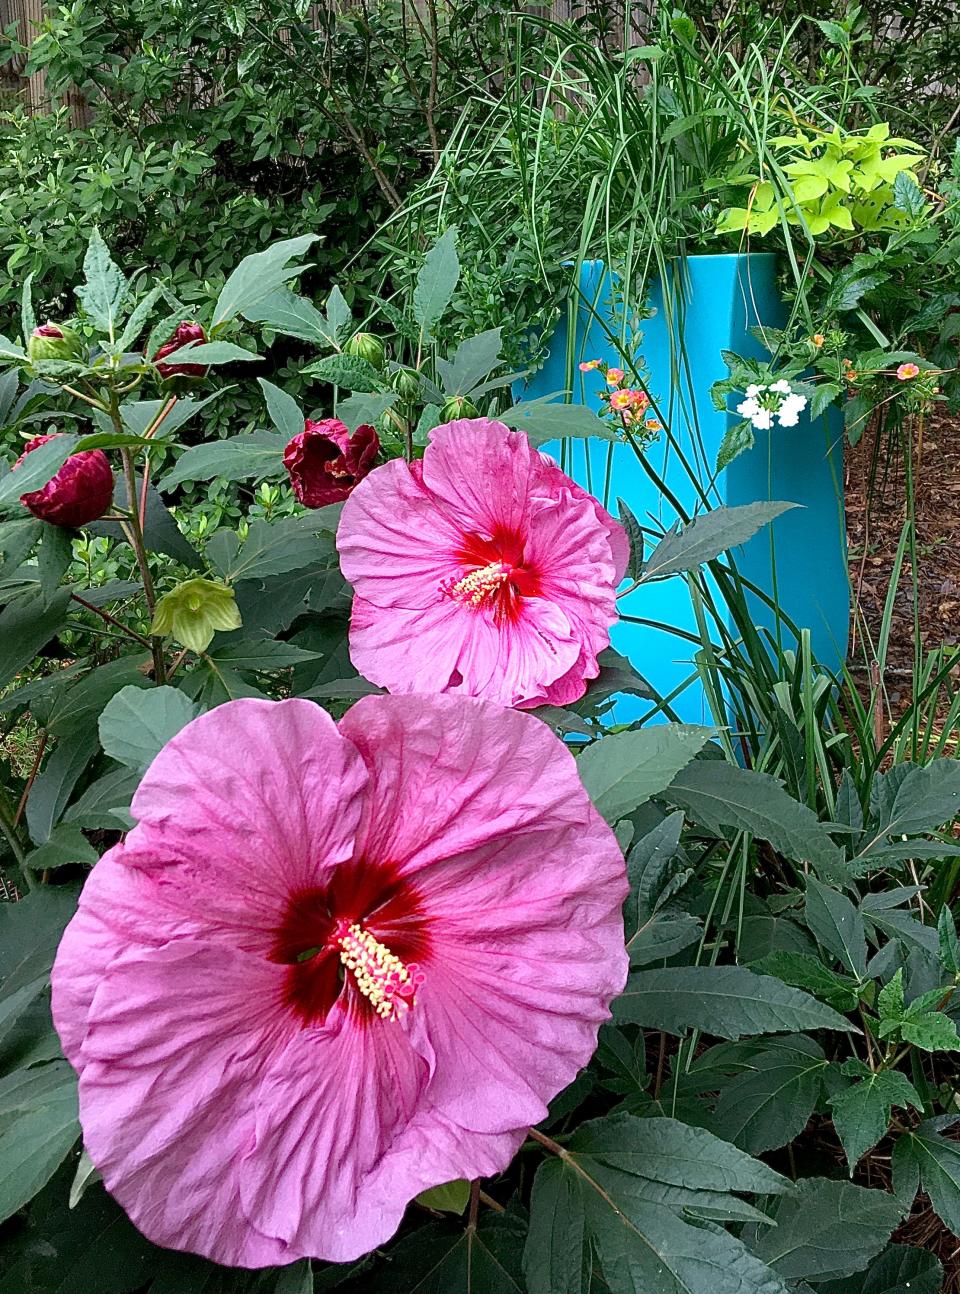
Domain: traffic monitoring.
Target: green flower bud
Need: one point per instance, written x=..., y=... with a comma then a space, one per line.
x=363, y=345
x=458, y=406
x=55, y=341
x=406, y=383
x=193, y=612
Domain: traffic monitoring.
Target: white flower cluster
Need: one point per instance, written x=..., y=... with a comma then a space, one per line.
x=764, y=403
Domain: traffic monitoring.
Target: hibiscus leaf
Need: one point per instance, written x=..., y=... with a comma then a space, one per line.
x=473, y=360
x=213, y=352
x=837, y=926
x=136, y=724
x=719, y=795
x=26, y=625
x=771, y=1101
x=269, y=549
x=285, y=414
x=446, y=1258
x=104, y=289
x=36, y=1139
x=634, y=533
x=900, y=1269
x=255, y=453
x=625, y=769
x=707, y=536
x=436, y=281
x=258, y=275
x=861, y=1112
x=824, y=1229
x=365, y=408
x=545, y=420
x=726, y=1001
x=284, y=312
x=348, y=371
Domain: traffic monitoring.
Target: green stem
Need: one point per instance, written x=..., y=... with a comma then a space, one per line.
x=8, y=831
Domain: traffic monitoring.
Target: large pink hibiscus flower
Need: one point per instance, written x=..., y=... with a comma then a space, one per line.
x=333, y=966
x=483, y=570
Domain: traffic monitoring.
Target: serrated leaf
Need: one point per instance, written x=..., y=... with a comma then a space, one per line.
x=136, y=724
x=545, y=420
x=725, y=1001
x=925, y=1156
x=256, y=453
x=720, y=796
x=436, y=281
x=933, y=1031
x=623, y=770
x=285, y=312
x=105, y=289
x=736, y=441
x=271, y=548
x=908, y=799
x=635, y=535
x=473, y=360
x=900, y=1269
x=258, y=275
x=285, y=414
x=805, y=971
x=35, y=1141
x=825, y=1229
x=948, y=942
x=771, y=1101
x=707, y=536
x=837, y=926
x=348, y=371
x=861, y=1112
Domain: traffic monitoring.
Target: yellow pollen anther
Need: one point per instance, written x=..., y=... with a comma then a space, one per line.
x=474, y=589
x=382, y=978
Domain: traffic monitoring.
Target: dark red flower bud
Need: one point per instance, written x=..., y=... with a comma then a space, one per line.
x=48, y=330
x=185, y=332
x=80, y=492
x=325, y=461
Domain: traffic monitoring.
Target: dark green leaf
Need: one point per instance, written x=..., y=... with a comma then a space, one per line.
x=948, y=942
x=285, y=413
x=257, y=276
x=719, y=795
x=632, y=526
x=66, y=846
x=861, y=1112
x=436, y=281
x=214, y=352
x=707, y=536
x=771, y=1101
x=444, y=1258
x=35, y=1141
x=347, y=371
x=285, y=312
x=53, y=557
x=26, y=625
x=269, y=549
x=359, y=409
x=803, y=970
x=256, y=453
x=837, y=925
x=726, y=1001
x=825, y=1229
x=900, y=1269
x=736, y=441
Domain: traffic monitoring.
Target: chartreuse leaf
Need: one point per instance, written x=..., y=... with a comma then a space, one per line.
x=625, y=769
x=803, y=970
x=436, y=281
x=707, y=536
x=258, y=275
x=900, y=1269
x=825, y=1229
x=920, y=1023
x=925, y=1158
x=719, y=795
x=861, y=1112
x=137, y=724
x=452, y=1197
x=618, y=1196
x=726, y=1001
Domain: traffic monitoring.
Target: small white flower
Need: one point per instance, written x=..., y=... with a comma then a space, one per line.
x=782, y=386
x=790, y=410
x=753, y=390
x=763, y=420
x=788, y=417
x=749, y=407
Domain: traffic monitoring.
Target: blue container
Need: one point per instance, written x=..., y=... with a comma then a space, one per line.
x=712, y=302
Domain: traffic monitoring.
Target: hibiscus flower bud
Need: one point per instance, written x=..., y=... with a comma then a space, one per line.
x=406, y=383
x=363, y=345
x=193, y=612
x=81, y=491
x=55, y=341
x=185, y=332
x=325, y=461
x=458, y=406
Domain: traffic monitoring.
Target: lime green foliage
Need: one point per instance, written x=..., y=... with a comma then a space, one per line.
x=832, y=180
x=194, y=611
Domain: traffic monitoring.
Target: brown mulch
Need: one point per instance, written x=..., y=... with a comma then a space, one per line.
x=876, y=511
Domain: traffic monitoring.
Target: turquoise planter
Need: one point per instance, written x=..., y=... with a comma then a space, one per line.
x=800, y=560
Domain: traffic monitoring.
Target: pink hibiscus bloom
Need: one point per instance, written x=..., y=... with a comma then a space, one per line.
x=333, y=966
x=482, y=570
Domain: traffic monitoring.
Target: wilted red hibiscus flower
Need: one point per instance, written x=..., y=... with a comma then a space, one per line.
x=185, y=332
x=325, y=461
x=334, y=965
x=80, y=492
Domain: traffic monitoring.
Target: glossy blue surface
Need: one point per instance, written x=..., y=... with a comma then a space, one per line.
x=801, y=559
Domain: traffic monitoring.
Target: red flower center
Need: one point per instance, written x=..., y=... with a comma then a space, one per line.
x=495, y=576
x=363, y=937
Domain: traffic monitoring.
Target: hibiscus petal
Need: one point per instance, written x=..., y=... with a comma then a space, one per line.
x=555, y=479
x=177, y=1042
x=521, y=883
x=483, y=472
x=246, y=804
x=397, y=543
